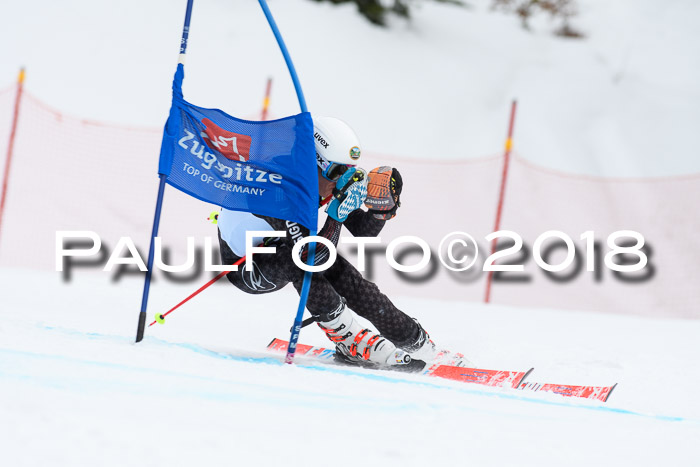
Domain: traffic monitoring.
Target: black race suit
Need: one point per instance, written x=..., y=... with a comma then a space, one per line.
x=271, y=272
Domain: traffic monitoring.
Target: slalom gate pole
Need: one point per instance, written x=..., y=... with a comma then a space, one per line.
x=159, y=201
x=501, y=196
x=266, y=101
x=285, y=53
x=11, y=143
x=296, y=328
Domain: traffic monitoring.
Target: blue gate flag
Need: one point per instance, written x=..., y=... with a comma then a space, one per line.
x=266, y=168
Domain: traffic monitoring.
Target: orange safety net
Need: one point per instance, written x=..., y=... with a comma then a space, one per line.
x=74, y=174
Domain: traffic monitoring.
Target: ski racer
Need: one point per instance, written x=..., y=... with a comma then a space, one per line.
x=339, y=292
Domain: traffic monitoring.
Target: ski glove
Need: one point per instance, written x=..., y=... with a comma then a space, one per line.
x=348, y=195
x=384, y=189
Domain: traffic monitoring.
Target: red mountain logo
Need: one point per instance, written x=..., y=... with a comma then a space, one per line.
x=232, y=145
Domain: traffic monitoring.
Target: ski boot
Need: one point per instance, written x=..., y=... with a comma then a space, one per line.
x=360, y=346
x=424, y=349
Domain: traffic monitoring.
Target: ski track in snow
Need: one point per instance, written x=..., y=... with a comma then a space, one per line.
x=74, y=390
x=202, y=389
x=380, y=376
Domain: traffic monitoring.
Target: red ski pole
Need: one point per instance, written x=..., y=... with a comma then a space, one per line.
x=161, y=318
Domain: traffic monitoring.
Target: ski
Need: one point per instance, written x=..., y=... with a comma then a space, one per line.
x=492, y=378
x=455, y=372
x=601, y=393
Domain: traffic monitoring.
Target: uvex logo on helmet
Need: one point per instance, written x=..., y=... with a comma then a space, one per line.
x=321, y=140
x=231, y=145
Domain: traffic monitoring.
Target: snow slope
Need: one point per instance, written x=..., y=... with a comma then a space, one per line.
x=74, y=390
x=73, y=382
x=622, y=102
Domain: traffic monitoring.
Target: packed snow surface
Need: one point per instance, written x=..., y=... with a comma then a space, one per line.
x=199, y=390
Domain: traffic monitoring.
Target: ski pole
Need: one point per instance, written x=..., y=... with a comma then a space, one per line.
x=160, y=318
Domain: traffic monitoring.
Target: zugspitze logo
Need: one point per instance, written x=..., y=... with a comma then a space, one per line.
x=231, y=145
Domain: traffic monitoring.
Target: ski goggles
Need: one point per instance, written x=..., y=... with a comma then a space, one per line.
x=331, y=170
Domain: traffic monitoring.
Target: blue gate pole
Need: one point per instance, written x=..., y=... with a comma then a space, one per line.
x=303, y=297
x=159, y=201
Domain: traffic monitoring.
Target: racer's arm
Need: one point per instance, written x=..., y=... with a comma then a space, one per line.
x=363, y=224
x=295, y=232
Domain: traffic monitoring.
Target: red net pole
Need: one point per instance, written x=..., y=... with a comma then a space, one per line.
x=501, y=195
x=266, y=101
x=11, y=144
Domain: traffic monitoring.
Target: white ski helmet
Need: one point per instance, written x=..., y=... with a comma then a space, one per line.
x=335, y=142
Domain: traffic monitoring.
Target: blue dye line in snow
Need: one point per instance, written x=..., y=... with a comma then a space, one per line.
x=375, y=375
x=385, y=378
x=255, y=392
